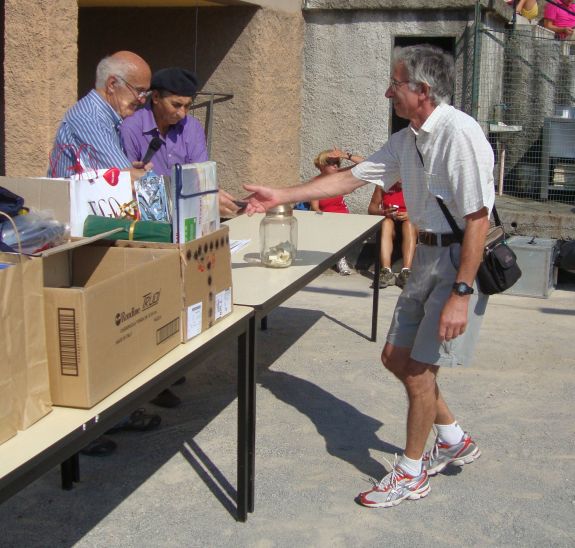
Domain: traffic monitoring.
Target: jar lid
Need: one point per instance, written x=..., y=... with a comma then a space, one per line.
x=283, y=210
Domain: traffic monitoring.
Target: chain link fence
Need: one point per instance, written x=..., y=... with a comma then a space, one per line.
x=522, y=92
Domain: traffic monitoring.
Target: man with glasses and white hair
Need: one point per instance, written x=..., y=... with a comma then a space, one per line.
x=89, y=138
x=442, y=153
x=89, y=135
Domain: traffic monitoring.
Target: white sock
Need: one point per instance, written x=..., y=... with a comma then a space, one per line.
x=411, y=466
x=450, y=433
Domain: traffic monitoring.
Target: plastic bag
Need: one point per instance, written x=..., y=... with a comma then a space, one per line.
x=37, y=230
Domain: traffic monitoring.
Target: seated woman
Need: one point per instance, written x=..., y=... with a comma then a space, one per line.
x=391, y=205
x=328, y=162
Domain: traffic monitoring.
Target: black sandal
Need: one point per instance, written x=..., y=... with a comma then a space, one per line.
x=138, y=421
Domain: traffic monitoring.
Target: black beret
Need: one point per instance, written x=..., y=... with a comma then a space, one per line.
x=177, y=80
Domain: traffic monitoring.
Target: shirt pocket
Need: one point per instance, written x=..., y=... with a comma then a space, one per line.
x=438, y=185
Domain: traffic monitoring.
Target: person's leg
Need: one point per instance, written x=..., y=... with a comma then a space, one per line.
x=419, y=380
x=409, y=241
x=407, y=479
x=386, y=276
x=387, y=235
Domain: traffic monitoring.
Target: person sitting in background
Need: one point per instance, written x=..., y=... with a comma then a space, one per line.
x=165, y=116
x=329, y=161
x=391, y=205
x=560, y=21
x=526, y=8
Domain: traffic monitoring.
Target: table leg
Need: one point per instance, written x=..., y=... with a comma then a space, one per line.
x=243, y=427
x=376, y=271
x=70, y=472
x=252, y=414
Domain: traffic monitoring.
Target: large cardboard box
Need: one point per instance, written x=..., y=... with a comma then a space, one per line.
x=206, y=270
x=110, y=312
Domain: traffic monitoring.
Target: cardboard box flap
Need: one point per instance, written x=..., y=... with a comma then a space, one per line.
x=78, y=243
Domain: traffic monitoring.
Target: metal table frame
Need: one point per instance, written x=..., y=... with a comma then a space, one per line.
x=242, y=228
x=57, y=437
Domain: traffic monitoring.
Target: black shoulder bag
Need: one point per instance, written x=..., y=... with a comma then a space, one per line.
x=499, y=269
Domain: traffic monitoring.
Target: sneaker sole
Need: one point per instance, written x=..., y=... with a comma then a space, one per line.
x=416, y=495
x=458, y=461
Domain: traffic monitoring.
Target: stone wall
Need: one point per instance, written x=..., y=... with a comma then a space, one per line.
x=40, y=59
x=347, y=63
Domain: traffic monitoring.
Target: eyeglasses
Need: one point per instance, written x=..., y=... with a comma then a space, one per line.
x=393, y=83
x=333, y=162
x=139, y=93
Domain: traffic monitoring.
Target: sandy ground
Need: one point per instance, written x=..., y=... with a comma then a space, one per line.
x=328, y=416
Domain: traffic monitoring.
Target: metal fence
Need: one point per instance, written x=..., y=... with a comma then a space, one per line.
x=522, y=91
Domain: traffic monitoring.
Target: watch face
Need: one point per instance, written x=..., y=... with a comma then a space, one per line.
x=462, y=288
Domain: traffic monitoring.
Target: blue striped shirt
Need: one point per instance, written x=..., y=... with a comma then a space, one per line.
x=90, y=132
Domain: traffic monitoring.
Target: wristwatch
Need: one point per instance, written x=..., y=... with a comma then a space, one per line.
x=461, y=289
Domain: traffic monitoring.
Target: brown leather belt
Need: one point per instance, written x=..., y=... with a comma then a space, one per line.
x=442, y=240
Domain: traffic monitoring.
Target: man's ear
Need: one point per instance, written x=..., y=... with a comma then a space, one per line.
x=424, y=90
x=111, y=83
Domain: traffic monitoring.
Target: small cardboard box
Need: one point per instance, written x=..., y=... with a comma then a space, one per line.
x=206, y=270
x=110, y=312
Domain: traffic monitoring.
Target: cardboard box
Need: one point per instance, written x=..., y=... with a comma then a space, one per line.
x=536, y=258
x=205, y=263
x=110, y=312
x=206, y=270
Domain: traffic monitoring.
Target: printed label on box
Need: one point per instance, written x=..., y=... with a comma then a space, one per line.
x=223, y=303
x=190, y=229
x=194, y=320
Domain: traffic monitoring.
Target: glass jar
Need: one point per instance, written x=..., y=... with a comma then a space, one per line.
x=278, y=237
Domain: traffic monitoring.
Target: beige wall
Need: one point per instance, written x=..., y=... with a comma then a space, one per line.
x=40, y=60
x=253, y=53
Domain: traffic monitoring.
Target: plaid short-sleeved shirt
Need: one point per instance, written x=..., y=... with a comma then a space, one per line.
x=449, y=157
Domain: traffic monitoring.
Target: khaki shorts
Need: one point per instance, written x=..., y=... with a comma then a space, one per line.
x=415, y=322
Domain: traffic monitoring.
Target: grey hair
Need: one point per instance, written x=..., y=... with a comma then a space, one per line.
x=426, y=64
x=110, y=66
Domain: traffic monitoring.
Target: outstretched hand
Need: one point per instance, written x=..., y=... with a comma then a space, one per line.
x=261, y=199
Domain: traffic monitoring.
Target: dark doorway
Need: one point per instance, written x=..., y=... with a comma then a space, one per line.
x=446, y=43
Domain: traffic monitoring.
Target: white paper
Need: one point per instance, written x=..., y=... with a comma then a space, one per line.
x=236, y=245
x=194, y=320
x=223, y=305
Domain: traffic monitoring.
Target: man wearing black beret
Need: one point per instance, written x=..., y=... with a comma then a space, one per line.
x=166, y=116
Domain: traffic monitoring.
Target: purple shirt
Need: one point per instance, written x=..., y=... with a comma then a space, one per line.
x=184, y=143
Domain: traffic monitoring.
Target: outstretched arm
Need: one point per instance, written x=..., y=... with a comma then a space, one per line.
x=262, y=198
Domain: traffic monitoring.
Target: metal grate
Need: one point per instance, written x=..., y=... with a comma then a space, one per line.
x=524, y=97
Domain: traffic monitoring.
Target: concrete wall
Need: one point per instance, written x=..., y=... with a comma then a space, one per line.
x=255, y=54
x=347, y=62
x=40, y=58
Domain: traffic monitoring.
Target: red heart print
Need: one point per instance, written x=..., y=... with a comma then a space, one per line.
x=112, y=176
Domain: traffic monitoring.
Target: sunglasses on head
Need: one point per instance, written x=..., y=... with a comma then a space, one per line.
x=333, y=162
